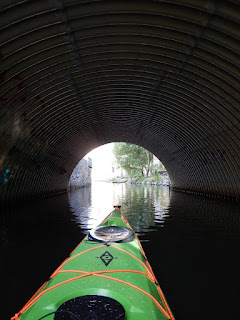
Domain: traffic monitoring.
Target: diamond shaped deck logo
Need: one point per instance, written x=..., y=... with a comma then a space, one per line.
x=106, y=258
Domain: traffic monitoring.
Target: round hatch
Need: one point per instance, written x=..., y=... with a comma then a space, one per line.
x=111, y=234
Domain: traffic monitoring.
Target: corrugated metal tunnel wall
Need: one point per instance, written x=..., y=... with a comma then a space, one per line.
x=78, y=74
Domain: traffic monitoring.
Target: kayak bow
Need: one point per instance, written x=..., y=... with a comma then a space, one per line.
x=106, y=277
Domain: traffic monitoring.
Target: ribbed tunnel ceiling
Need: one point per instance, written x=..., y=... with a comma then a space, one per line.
x=78, y=74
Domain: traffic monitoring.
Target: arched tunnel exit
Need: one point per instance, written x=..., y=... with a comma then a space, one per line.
x=79, y=74
x=119, y=163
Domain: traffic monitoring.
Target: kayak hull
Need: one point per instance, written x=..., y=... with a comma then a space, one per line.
x=101, y=269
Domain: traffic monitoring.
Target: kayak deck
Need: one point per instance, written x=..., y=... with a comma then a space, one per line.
x=97, y=270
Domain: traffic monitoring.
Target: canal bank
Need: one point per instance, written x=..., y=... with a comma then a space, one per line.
x=81, y=175
x=157, y=180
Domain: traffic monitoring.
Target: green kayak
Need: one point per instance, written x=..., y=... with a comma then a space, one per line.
x=106, y=277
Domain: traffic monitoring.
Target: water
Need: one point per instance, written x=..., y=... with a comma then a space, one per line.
x=191, y=242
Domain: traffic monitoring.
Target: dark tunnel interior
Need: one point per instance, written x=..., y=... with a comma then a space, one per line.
x=79, y=74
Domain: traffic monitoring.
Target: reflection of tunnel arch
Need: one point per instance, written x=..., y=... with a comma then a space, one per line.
x=76, y=75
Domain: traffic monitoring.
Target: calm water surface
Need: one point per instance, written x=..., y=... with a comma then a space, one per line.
x=192, y=243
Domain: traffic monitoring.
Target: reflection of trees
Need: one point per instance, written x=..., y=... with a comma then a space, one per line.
x=145, y=205
x=142, y=204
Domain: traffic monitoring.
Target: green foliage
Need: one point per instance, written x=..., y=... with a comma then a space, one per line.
x=133, y=159
x=156, y=173
x=158, y=167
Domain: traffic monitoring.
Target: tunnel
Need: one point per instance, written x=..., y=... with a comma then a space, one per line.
x=77, y=74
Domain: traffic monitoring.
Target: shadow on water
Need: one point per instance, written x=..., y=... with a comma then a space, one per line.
x=192, y=243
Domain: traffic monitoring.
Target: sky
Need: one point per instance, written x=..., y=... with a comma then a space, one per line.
x=102, y=159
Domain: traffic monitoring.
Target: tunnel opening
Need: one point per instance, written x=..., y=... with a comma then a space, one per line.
x=119, y=162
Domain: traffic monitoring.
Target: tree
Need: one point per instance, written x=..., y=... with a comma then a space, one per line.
x=132, y=158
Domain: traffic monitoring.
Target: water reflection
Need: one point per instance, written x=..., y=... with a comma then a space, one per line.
x=143, y=205
x=149, y=207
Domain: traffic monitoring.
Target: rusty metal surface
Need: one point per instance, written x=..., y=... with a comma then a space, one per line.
x=79, y=74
